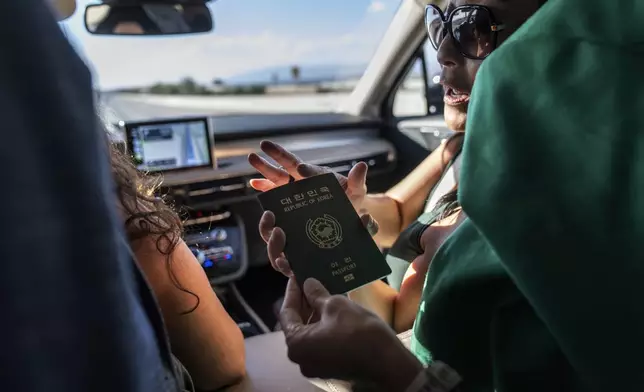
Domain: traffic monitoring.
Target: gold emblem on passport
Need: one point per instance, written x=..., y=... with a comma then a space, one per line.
x=324, y=231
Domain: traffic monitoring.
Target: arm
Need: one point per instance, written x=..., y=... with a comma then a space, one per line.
x=399, y=309
x=207, y=340
x=401, y=205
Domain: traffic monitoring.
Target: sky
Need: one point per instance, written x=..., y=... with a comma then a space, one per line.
x=248, y=35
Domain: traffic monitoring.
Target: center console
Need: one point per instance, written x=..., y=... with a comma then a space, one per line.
x=218, y=241
x=217, y=238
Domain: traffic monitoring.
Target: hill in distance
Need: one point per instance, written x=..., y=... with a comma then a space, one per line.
x=314, y=73
x=308, y=74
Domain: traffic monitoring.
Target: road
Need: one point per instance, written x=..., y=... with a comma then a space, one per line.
x=140, y=107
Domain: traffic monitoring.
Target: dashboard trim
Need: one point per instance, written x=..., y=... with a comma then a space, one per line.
x=353, y=144
x=207, y=219
x=222, y=188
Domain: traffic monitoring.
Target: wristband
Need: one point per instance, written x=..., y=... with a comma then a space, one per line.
x=438, y=377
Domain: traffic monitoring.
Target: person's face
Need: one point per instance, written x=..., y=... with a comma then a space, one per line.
x=458, y=71
x=128, y=28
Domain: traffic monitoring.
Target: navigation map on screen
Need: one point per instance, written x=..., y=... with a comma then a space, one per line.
x=169, y=146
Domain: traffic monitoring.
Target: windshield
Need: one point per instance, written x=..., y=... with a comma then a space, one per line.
x=264, y=56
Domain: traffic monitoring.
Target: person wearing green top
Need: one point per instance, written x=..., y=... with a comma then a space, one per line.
x=539, y=288
x=555, y=151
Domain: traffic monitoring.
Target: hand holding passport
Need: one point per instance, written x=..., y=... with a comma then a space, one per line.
x=325, y=238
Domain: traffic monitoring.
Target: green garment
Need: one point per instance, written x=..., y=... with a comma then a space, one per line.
x=473, y=318
x=541, y=289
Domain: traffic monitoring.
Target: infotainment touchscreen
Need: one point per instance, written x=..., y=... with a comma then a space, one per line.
x=170, y=145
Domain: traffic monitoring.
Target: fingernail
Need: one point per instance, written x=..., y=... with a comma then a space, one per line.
x=281, y=264
x=303, y=168
x=286, y=272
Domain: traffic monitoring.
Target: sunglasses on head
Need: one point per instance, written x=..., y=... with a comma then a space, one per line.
x=472, y=27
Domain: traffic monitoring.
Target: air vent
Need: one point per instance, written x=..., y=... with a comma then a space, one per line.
x=375, y=162
x=206, y=191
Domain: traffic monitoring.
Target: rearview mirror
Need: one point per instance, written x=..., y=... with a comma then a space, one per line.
x=148, y=19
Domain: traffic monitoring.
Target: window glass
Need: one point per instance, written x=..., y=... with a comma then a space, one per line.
x=410, y=99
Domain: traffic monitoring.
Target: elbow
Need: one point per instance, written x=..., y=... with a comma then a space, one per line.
x=232, y=375
x=237, y=370
x=230, y=372
x=238, y=373
x=227, y=369
x=233, y=370
x=236, y=377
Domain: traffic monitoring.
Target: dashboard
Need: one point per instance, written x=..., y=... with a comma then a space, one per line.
x=206, y=175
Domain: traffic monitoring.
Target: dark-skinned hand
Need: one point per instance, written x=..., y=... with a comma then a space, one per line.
x=345, y=341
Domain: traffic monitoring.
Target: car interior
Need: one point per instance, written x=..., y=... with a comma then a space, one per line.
x=206, y=173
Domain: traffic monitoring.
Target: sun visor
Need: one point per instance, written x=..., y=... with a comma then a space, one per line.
x=440, y=3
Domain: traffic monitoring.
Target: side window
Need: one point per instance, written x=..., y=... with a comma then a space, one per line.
x=418, y=103
x=420, y=94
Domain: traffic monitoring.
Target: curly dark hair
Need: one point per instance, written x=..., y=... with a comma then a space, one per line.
x=147, y=214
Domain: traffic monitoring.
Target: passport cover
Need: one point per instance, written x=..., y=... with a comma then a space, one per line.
x=325, y=238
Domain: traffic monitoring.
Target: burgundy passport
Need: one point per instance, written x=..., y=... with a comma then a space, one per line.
x=325, y=238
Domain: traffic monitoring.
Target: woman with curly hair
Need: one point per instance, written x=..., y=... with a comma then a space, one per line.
x=202, y=335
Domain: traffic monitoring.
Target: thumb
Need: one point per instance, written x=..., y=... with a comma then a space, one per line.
x=289, y=315
x=357, y=177
x=370, y=223
x=315, y=293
